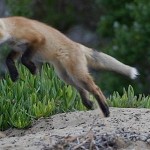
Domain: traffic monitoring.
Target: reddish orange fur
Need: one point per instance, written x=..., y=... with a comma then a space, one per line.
x=70, y=59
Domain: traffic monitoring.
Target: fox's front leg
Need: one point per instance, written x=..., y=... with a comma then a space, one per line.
x=26, y=60
x=11, y=65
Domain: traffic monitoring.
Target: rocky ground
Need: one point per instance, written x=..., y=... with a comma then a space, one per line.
x=124, y=129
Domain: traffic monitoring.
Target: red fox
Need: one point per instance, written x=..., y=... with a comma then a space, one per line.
x=34, y=41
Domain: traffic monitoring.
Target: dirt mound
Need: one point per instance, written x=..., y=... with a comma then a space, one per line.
x=124, y=129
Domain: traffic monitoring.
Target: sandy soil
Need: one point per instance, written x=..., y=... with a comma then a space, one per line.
x=124, y=129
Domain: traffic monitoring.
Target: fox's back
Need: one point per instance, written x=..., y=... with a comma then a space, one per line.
x=21, y=25
x=55, y=45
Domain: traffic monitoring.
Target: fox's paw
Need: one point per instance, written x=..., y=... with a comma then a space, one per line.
x=105, y=109
x=33, y=69
x=107, y=112
x=89, y=105
x=14, y=76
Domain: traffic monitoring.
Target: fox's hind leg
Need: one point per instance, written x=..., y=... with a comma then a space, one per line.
x=79, y=73
x=11, y=65
x=61, y=72
x=87, y=83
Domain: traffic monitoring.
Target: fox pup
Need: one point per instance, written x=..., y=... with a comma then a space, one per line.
x=34, y=42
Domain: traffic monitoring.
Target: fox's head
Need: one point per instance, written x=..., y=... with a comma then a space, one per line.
x=4, y=35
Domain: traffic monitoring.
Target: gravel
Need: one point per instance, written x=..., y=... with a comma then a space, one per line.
x=124, y=129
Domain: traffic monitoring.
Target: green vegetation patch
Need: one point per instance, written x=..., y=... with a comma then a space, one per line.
x=32, y=97
x=129, y=99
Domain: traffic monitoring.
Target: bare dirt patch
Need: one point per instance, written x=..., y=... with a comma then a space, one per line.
x=124, y=129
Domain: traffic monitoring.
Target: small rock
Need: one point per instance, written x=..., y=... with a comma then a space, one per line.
x=2, y=135
x=143, y=138
x=148, y=141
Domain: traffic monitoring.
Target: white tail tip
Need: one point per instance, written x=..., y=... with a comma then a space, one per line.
x=134, y=73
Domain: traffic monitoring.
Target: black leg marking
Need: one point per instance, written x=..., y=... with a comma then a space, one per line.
x=26, y=60
x=11, y=66
x=87, y=103
x=103, y=106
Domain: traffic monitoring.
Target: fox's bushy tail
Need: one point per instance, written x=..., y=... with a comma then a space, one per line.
x=98, y=60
